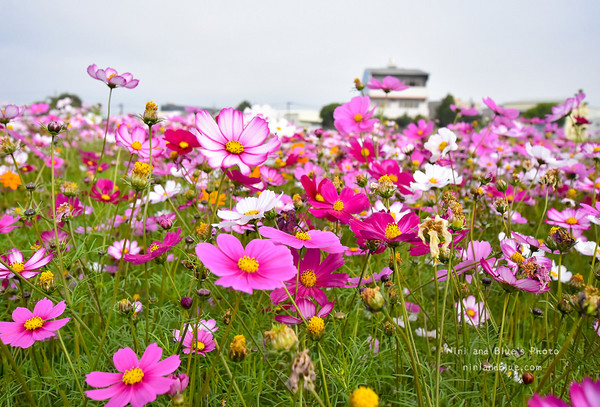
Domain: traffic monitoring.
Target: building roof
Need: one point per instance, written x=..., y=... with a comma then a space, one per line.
x=396, y=71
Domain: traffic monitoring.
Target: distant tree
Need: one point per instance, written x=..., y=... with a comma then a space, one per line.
x=443, y=113
x=540, y=111
x=403, y=121
x=326, y=115
x=243, y=105
x=75, y=100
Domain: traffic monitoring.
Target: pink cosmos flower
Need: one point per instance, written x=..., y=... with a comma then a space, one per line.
x=120, y=247
x=7, y=223
x=26, y=269
x=308, y=310
x=355, y=116
x=228, y=142
x=419, y=131
x=155, y=249
x=368, y=279
x=67, y=207
x=507, y=278
x=500, y=111
x=314, y=274
x=138, y=381
x=137, y=142
x=271, y=176
x=464, y=111
x=311, y=239
x=252, y=183
x=179, y=384
x=112, y=78
x=362, y=153
x=201, y=342
x=104, y=191
x=30, y=327
x=562, y=110
x=388, y=84
x=10, y=112
x=575, y=219
x=584, y=394
x=339, y=206
x=262, y=265
x=474, y=312
x=475, y=252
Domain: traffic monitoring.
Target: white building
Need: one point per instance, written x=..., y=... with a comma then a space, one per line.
x=411, y=102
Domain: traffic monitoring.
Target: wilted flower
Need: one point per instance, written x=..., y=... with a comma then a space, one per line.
x=433, y=232
x=237, y=348
x=302, y=366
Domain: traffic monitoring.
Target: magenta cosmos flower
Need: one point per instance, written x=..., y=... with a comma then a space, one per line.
x=138, y=381
x=180, y=142
x=355, y=116
x=26, y=269
x=575, y=219
x=30, y=327
x=311, y=239
x=314, y=274
x=391, y=170
x=388, y=84
x=262, y=265
x=509, y=281
x=500, y=111
x=201, y=342
x=338, y=206
x=228, y=142
x=156, y=248
x=584, y=394
x=382, y=228
x=112, y=78
x=105, y=191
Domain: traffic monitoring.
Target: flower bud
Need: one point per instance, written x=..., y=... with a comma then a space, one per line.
x=501, y=205
x=358, y=84
x=373, y=299
x=203, y=293
x=179, y=384
x=30, y=186
x=282, y=337
x=47, y=281
x=56, y=127
x=537, y=312
x=408, y=149
x=186, y=302
x=7, y=146
x=150, y=116
x=501, y=185
x=528, y=378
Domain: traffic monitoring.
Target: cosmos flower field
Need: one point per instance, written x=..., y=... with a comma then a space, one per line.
x=236, y=259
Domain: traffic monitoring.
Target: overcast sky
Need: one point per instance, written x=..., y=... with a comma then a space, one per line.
x=307, y=52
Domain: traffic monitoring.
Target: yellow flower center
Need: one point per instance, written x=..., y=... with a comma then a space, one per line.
x=358, y=117
x=111, y=76
x=510, y=198
x=319, y=198
x=141, y=168
x=420, y=132
x=364, y=397
x=470, y=313
x=155, y=246
x=183, y=144
x=415, y=163
x=433, y=180
x=17, y=267
x=173, y=155
x=133, y=376
x=597, y=149
x=308, y=278
x=136, y=145
x=517, y=258
x=338, y=205
x=571, y=221
x=105, y=197
x=199, y=346
x=316, y=325
x=34, y=323
x=365, y=152
x=392, y=231
x=302, y=235
x=442, y=146
x=46, y=276
x=248, y=264
x=234, y=147
x=252, y=212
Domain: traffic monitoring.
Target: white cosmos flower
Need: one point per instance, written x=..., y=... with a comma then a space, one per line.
x=544, y=156
x=565, y=275
x=160, y=193
x=441, y=144
x=435, y=176
x=248, y=209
